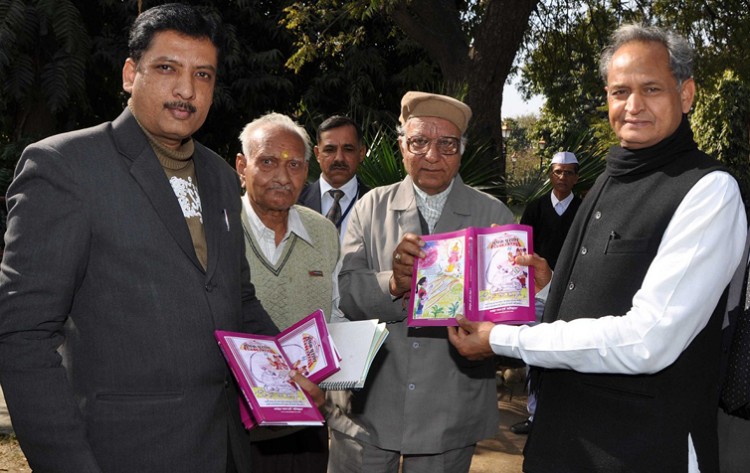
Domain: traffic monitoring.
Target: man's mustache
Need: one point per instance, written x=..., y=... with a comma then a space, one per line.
x=339, y=165
x=285, y=188
x=181, y=106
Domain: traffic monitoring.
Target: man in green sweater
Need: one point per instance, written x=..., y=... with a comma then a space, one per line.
x=293, y=253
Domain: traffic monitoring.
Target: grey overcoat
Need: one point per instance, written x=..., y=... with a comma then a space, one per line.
x=421, y=396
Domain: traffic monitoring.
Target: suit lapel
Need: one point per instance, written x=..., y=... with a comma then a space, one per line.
x=150, y=176
x=313, y=197
x=405, y=204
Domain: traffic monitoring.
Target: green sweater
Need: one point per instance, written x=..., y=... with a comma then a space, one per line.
x=301, y=281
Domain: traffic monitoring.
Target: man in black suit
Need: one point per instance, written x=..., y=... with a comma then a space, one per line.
x=124, y=252
x=340, y=151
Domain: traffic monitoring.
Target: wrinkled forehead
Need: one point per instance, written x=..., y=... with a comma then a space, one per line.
x=431, y=126
x=277, y=141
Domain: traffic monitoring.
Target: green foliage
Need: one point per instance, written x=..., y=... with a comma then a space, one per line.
x=353, y=59
x=252, y=80
x=383, y=164
x=721, y=123
x=453, y=309
x=477, y=169
x=719, y=30
x=43, y=52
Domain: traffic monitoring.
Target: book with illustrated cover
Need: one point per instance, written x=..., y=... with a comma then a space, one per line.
x=472, y=272
x=309, y=347
x=353, y=338
x=261, y=365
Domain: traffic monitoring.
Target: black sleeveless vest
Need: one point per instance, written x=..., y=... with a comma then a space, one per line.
x=627, y=423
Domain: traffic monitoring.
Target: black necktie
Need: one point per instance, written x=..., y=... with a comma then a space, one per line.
x=334, y=213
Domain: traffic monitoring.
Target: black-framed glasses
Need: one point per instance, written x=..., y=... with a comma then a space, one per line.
x=563, y=173
x=446, y=145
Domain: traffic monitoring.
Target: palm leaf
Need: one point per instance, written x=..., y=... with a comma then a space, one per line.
x=382, y=165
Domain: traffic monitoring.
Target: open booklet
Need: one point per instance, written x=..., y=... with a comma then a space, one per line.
x=261, y=365
x=472, y=272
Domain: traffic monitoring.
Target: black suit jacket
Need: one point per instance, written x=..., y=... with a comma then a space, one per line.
x=99, y=259
x=310, y=195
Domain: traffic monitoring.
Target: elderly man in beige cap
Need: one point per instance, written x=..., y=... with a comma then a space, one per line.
x=422, y=402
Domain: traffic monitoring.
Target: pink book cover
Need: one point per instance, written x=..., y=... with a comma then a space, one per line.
x=472, y=272
x=504, y=290
x=308, y=347
x=245, y=416
x=262, y=372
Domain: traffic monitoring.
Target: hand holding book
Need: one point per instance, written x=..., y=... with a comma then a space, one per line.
x=473, y=273
x=542, y=271
x=313, y=390
x=406, y=253
x=472, y=339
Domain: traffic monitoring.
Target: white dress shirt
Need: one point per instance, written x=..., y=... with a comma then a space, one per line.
x=561, y=206
x=677, y=297
x=350, y=195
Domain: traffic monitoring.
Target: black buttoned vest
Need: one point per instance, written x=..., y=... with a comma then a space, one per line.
x=625, y=423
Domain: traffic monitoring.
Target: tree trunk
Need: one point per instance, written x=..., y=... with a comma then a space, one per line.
x=497, y=40
x=483, y=67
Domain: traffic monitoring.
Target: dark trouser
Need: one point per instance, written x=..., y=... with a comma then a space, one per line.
x=305, y=451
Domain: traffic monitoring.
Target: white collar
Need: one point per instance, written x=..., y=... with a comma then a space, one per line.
x=294, y=223
x=565, y=201
x=350, y=188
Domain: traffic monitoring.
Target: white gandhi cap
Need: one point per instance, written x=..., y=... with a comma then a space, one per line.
x=564, y=157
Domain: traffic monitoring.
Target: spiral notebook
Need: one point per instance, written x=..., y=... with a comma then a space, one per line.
x=349, y=339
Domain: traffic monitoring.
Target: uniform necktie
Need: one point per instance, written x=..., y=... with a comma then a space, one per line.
x=334, y=213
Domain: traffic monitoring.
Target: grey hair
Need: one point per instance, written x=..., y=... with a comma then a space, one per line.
x=680, y=52
x=279, y=120
x=402, y=132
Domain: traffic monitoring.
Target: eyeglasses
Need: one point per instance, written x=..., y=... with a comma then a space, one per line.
x=446, y=145
x=563, y=173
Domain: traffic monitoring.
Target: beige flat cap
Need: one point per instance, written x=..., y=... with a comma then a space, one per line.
x=423, y=104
